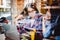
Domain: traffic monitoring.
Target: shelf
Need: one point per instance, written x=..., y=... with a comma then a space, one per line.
x=51, y=7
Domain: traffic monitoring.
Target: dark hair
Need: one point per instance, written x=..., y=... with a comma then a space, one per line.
x=34, y=7
x=2, y=19
x=26, y=10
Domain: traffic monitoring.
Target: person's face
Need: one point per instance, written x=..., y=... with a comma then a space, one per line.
x=6, y=21
x=31, y=12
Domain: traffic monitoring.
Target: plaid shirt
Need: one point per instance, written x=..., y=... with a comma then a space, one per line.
x=37, y=23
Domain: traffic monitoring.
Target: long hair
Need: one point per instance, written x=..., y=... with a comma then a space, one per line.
x=34, y=7
x=26, y=10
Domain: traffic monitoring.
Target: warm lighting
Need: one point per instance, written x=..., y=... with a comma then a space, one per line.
x=44, y=0
x=1, y=2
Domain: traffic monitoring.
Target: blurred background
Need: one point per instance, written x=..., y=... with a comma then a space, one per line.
x=22, y=13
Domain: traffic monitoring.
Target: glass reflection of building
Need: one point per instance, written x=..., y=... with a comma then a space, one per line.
x=5, y=6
